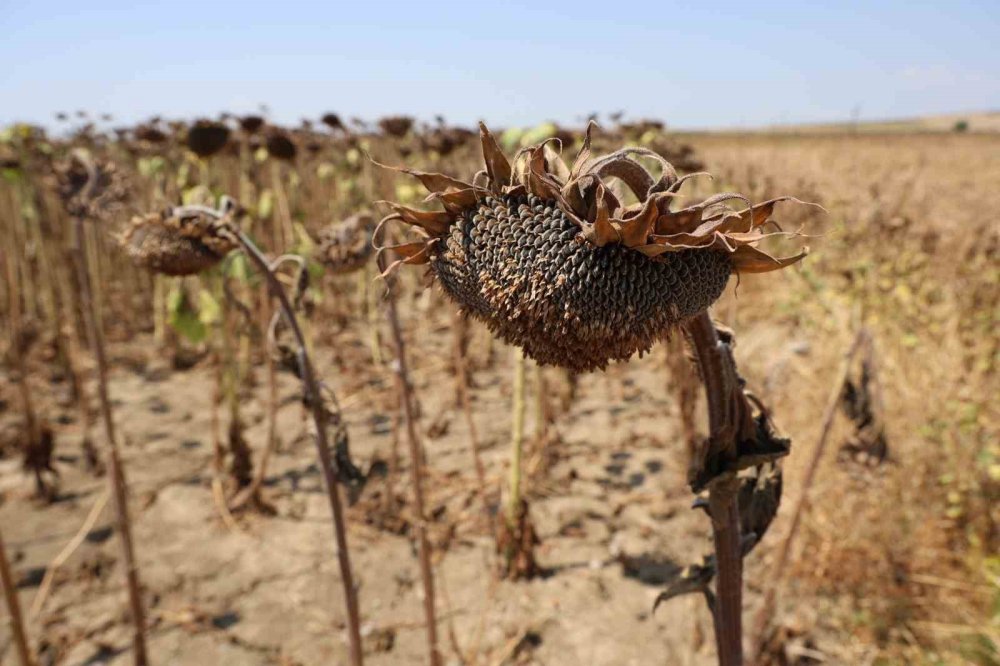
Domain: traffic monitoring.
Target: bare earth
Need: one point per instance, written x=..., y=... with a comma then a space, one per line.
x=613, y=516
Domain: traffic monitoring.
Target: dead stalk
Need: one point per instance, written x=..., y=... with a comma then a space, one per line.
x=460, y=328
x=416, y=472
x=319, y=415
x=270, y=445
x=116, y=475
x=516, y=442
x=719, y=376
x=14, y=608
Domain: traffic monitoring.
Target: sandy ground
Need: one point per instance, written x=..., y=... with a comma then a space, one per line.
x=609, y=501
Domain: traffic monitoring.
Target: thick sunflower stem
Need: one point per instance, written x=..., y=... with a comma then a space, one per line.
x=14, y=609
x=116, y=475
x=718, y=373
x=416, y=472
x=319, y=414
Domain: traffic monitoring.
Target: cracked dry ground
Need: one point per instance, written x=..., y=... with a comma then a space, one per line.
x=609, y=502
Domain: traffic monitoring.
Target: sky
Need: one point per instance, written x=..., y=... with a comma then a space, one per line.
x=691, y=64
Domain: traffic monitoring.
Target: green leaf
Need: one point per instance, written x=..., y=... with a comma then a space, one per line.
x=325, y=171
x=197, y=195
x=265, y=206
x=183, y=174
x=182, y=317
x=511, y=138
x=238, y=267
x=538, y=134
x=151, y=166
x=208, y=308
x=304, y=244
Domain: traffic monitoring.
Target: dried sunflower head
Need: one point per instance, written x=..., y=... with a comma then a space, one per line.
x=554, y=261
x=177, y=243
x=251, y=124
x=279, y=145
x=344, y=248
x=397, y=126
x=90, y=188
x=207, y=137
x=333, y=121
x=150, y=133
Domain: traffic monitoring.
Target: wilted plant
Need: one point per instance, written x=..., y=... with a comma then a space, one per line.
x=335, y=465
x=88, y=191
x=333, y=121
x=20, y=634
x=516, y=537
x=150, y=133
x=279, y=145
x=251, y=124
x=554, y=260
x=397, y=126
x=176, y=243
x=347, y=247
x=417, y=464
x=207, y=137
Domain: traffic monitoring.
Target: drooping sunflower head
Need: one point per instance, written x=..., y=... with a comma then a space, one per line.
x=177, y=242
x=346, y=247
x=553, y=260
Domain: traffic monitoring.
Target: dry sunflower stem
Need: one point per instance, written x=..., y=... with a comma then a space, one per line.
x=84, y=200
x=554, y=261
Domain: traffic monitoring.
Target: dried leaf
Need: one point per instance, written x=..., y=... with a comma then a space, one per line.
x=456, y=200
x=434, y=222
x=748, y=259
x=416, y=252
x=497, y=165
x=584, y=155
x=681, y=221
x=635, y=231
x=434, y=182
x=619, y=165
x=603, y=231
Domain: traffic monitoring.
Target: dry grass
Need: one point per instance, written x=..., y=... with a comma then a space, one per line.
x=902, y=555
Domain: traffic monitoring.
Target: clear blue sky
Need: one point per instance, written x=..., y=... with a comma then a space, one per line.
x=693, y=64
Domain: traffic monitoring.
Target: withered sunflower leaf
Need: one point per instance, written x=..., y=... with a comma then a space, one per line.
x=416, y=252
x=497, y=165
x=635, y=230
x=619, y=165
x=434, y=182
x=748, y=259
x=604, y=231
x=456, y=200
x=681, y=221
x=584, y=155
x=434, y=222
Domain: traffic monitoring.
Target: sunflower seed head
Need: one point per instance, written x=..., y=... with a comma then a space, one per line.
x=518, y=264
x=553, y=260
x=346, y=247
x=176, y=245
